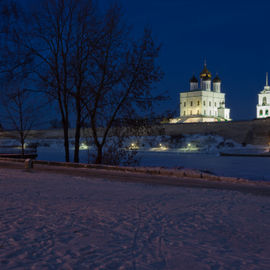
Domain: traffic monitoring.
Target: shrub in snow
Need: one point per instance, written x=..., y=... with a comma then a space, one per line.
x=115, y=152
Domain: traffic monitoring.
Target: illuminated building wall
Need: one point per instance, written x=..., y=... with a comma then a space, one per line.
x=203, y=104
x=263, y=107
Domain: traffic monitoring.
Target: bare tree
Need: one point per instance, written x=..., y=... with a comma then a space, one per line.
x=123, y=72
x=20, y=113
x=59, y=40
x=86, y=36
x=56, y=40
x=88, y=59
x=50, y=42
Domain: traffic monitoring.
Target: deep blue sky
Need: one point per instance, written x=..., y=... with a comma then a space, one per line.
x=233, y=36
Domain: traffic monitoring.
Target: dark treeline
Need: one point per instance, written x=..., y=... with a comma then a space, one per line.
x=82, y=58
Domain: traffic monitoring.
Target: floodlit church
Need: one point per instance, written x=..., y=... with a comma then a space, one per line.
x=263, y=107
x=204, y=103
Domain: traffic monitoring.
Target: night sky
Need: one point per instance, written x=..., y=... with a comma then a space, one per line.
x=233, y=37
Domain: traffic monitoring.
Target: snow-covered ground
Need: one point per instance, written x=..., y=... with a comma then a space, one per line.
x=61, y=221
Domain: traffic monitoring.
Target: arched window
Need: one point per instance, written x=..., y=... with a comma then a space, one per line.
x=204, y=112
x=261, y=112
x=190, y=112
x=184, y=113
x=184, y=104
x=264, y=101
x=198, y=112
x=204, y=103
x=210, y=103
x=266, y=112
x=191, y=103
x=198, y=103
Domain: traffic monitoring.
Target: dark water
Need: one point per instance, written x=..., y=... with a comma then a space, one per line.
x=255, y=168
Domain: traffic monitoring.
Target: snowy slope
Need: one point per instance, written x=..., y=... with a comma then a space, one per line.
x=56, y=221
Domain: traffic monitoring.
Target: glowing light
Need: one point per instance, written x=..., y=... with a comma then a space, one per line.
x=84, y=146
x=160, y=148
x=133, y=146
x=19, y=147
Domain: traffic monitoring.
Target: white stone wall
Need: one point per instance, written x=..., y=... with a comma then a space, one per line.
x=224, y=113
x=263, y=107
x=193, y=86
x=216, y=87
x=203, y=103
x=206, y=85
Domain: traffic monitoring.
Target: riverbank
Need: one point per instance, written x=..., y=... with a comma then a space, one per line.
x=148, y=175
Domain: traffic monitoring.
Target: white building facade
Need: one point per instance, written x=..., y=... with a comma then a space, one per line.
x=203, y=104
x=263, y=107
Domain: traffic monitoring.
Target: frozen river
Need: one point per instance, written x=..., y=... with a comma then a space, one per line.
x=255, y=168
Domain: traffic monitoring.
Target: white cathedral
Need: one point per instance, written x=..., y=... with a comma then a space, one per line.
x=263, y=107
x=203, y=104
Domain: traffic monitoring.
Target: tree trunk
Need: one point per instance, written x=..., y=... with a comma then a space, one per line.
x=77, y=132
x=99, y=155
x=22, y=145
x=66, y=142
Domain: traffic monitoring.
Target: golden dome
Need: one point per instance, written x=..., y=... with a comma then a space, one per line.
x=205, y=74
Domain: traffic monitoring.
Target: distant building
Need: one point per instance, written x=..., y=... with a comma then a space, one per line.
x=203, y=104
x=263, y=107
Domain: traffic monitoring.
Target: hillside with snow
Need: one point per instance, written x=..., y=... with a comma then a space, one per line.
x=52, y=220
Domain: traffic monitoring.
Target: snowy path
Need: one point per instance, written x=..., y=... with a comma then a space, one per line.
x=56, y=221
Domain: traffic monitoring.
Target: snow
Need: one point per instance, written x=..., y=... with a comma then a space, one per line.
x=67, y=220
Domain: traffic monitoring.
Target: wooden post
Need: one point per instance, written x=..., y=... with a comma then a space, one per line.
x=28, y=163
